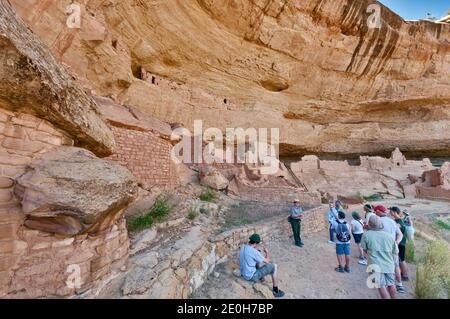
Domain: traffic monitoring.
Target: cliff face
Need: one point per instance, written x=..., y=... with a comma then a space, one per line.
x=312, y=68
x=32, y=81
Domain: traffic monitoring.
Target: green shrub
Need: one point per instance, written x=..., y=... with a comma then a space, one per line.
x=209, y=195
x=162, y=208
x=443, y=225
x=235, y=205
x=373, y=198
x=159, y=211
x=140, y=223
x=433, y=272
x=410, y=251
x=192, y=213
x=204, y=211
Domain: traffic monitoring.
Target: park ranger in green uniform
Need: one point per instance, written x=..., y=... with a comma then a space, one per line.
x=295, y=218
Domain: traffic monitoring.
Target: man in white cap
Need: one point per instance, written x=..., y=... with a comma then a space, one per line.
x=295, y=218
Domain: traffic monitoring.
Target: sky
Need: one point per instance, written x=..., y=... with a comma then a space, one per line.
x=418, y=9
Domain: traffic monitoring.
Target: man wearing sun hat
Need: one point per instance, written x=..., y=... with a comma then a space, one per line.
x=295, y=218
x=254, y=266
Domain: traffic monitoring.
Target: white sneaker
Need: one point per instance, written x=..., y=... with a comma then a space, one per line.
x=331, y=242
x=362, y=262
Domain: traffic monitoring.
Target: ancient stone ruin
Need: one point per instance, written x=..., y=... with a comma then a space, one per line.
x=433, y=184
x=373, y=175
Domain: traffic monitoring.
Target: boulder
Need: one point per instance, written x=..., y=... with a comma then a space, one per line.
x=69, y=190
x=213, y=178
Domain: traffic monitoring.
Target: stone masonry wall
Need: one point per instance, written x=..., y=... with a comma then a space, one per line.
x=36, y=264
x=282, y=194
x=434, y=193
x=147, y=156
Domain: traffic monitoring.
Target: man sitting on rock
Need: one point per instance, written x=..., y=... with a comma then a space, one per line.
x=254, y=266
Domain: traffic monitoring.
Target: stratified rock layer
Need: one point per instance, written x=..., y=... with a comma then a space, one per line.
x=312, y=68
x=33, y=81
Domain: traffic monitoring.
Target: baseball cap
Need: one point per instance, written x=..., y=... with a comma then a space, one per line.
x=394, y=209
x=380, y=208
x=255, y=238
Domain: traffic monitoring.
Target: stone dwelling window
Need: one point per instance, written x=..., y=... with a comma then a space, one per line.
x=138, y=72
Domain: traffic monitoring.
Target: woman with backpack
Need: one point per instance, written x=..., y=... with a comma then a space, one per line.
x=357, y=225
x=343, y=237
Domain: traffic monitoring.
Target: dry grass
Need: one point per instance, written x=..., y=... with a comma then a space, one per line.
x=433, y=272
x=192, y=213
x=209, y=195
x=410, y=252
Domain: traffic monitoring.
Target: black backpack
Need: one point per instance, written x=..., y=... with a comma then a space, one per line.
x=342, y=232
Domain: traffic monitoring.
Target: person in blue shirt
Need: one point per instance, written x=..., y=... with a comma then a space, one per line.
x=332, y=217
x=295, y=218
x=254, y=266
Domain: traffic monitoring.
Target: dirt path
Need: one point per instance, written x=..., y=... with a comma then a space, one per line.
x=305, y=273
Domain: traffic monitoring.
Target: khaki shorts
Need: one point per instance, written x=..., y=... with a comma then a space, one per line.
x=384, y=280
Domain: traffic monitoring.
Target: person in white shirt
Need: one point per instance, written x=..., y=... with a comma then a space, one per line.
x=391, y=227
x=357, y=226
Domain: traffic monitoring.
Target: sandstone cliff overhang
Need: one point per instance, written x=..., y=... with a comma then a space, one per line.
x=33, y=81
x=316, y=69
x=131, y=118
x=445, y=19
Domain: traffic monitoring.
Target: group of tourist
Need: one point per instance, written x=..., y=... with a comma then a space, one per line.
x=380, y=238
